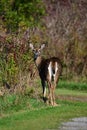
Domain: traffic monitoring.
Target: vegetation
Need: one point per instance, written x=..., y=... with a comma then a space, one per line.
x=22, y=22
x=31, y=98
x=21, y=14
x=62, y=26
x=72, y=85
x=23, y=112
x=47, y=118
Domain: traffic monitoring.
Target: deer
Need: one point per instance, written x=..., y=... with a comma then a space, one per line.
x=49, y=72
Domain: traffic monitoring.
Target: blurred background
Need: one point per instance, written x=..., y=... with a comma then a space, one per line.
x=60, y=24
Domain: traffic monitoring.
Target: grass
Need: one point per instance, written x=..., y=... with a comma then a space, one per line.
x=73, y=85
x=43, y=118
x=64, y=91
x=18, y=112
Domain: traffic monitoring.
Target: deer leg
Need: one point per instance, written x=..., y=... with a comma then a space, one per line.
x=53, y=103
x=50, y=94
x=50, y=101
x=53, y=95
x=44, y=90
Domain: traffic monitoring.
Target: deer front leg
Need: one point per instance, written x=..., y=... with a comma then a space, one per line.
x=44, y=90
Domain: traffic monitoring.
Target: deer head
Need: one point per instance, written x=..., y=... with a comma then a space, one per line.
x=36, y=51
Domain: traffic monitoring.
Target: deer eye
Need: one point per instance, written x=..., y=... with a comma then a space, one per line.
x=33, y=50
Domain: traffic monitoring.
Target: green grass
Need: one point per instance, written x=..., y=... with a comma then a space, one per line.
x=72, y=85
x=43, y=118
x=18, y=112
x=64, y=91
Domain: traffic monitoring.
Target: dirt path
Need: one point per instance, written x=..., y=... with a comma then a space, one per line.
x=75, y=124
x=72, y=98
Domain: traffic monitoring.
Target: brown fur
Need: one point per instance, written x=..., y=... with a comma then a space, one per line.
x=42, y=65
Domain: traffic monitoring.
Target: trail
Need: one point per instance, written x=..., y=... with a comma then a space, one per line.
x=75, y=124
x=72, y=98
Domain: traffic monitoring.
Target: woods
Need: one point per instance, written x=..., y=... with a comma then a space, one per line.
x=60, y=24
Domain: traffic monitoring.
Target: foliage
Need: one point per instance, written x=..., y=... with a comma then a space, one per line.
x=15, y=62
x=63, y=29
x=66, y=30
x=21, y=14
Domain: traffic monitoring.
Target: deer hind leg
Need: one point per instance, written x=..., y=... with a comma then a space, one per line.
x=53, y=95
x=50, y=101
x=53, y=103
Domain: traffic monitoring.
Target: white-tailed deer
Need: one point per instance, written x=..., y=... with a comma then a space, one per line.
x=49, y=71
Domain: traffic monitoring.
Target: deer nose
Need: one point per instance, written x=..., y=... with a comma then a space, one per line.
x=35, y=56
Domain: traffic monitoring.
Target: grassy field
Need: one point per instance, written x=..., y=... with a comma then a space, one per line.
x=73, y=85
x=24, y=113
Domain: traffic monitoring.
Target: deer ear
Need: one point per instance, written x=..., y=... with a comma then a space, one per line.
x=42, y=46
x=31, y=46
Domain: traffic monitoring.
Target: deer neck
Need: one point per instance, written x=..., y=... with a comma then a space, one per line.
x=38, y=62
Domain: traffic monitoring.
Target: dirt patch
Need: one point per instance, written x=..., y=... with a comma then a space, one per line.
x=72, y=98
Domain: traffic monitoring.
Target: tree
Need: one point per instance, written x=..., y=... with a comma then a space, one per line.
x=21, y=13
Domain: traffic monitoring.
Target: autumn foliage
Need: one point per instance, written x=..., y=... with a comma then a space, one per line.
x=61, y=24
